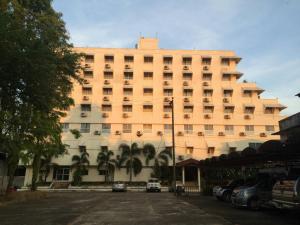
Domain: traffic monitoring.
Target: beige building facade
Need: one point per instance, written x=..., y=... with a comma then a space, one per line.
x=126, y=99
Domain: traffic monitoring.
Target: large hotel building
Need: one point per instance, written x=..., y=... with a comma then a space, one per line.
x=126, y=99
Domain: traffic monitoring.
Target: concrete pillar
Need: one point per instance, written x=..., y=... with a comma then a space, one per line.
x=199, y=179
x=183, y=175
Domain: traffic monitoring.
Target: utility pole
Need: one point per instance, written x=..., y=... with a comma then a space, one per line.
x=173, y=146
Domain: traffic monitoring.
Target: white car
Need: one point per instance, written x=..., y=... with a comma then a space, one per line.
x=153, y=185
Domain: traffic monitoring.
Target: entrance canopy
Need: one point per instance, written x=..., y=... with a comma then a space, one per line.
x=188, y=162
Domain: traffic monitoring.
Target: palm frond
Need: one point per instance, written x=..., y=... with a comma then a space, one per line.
x=75, y=158
x=137, y=166
x=149, y=152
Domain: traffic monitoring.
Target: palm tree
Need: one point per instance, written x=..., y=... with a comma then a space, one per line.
x=80, y=162
x=149, y=153
x=129, y=156
x=161, y=165
x=105, y=162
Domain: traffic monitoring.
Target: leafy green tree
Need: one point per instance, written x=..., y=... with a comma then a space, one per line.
x=130, y=157
x=80, y=163
x=105, y=162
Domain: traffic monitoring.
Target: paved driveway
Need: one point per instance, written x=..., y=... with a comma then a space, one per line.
x=107, y=208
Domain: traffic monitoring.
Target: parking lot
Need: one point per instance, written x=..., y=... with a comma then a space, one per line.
x=134, y=208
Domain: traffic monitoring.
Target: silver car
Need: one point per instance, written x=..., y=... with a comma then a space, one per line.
x=119, y=186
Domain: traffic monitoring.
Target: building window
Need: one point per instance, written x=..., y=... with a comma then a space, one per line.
x=188, y=109
x=148, y=59
x=167, y=60
x=147, y=128
x=106, y=108
x=85, y=128
x=225, y=62
x=168, y=92
x=127, y=108
x=187, y=92
x=108, y=75
x=167, y=108
x=168, y=76
x=127, y=128
x=109, y=58
x=148, y=75
x=249, y=110
x=189, y=150
x=61, y=173
x=229, y=129
x=206, y=61
x=127, y=91
x=226, y=77
x=89, y=58
x=88, y=74
x=128, y=59
x=208, y=128
x=269, y=110
x=249, y=129
x=65, y=127
x=208, y=109
x=247, y=93
x=188, y=128
x=270, y=128
x=86, y=107
x=128, y=75
x=87, y=90
x=148, y=108
x=148, y=91
x=227, y=93
x=106, y=127
x=228, y=109
x=208, y=92
x=211, y=151
x=168, y=128
x=206, y=76
x=187, y=60
x=187, y=76
x=107, y=91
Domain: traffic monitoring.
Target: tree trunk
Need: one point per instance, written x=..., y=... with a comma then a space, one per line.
x=13, y=161
x=35, y=169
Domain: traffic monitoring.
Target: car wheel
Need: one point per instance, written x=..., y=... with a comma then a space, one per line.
x=226, y=197
x=253, y=204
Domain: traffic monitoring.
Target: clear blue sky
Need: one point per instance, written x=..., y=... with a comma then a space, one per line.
x=265, y=33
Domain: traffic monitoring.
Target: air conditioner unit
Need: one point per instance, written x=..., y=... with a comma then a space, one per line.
x=126, y=82
x=205, y=84
x=166, y=115
x=127, y=67
x=166, y=99
x=186, y=116
x=159, y=133
x=206, y=100
x=185, y=83
x=87, y=66
x=97, y=132
x=200, y=133
x=185, y=68
x=106, y=82
x=263, y=135
x=205, y=68
x=107, y=66
x=118, y=132
x=221, y=134
x=207, y=116
x=86, y=82
x=186, y=100
x=166, y=83
x=85, y=98
x=105, y=98
x=180, y=133
x=166, y=67
x=247, y=117
x=242, y=134
x=180, y=157
x=125, y=99
x=125, y=115
x=225, y=100
x=227, y=117
x=139, y=133
x=104, y=115
x=83, y=114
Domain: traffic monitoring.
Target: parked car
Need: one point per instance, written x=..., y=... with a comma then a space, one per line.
x=119, y=186
x=223, y=193
x=153, y=185
x=286, y=193
x=255, y=192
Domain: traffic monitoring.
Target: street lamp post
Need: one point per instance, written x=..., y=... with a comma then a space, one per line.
x=173, y=146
